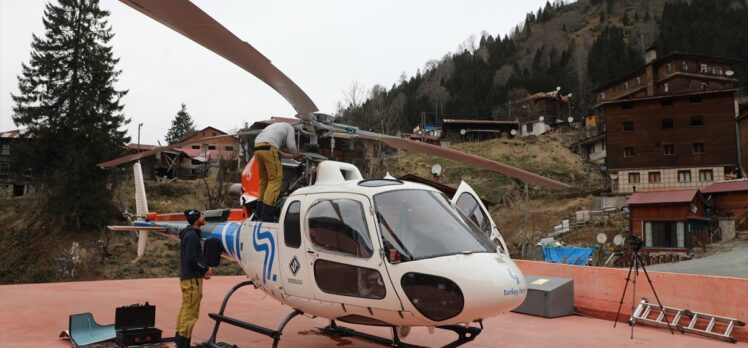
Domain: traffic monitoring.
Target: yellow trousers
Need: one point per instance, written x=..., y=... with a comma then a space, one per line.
x=192, y=293
x=271, y=174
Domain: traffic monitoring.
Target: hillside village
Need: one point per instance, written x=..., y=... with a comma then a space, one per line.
x=659, y=150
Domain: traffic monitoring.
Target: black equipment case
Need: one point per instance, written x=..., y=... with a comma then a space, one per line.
x=134, y=325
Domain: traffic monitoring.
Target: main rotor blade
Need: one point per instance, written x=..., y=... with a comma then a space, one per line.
x=455, y=155
x=189, y=20
x=136, y=156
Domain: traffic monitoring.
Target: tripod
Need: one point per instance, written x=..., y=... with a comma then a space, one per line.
x=636, y=261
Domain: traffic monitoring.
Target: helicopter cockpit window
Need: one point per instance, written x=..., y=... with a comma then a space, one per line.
x=292, y=225
x=339, y=225
x=470, y=207
x=420, y=224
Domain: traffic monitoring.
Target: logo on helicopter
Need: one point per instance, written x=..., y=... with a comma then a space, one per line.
x=268, y=248
x=295, y=265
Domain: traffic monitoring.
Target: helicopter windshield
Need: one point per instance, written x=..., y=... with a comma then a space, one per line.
x=420, y=224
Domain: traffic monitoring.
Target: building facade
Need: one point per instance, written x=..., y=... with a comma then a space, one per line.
x=14, y=181
x=203, y=149
x=671, y=124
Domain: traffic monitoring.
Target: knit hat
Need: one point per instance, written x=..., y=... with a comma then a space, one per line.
x=192, y=215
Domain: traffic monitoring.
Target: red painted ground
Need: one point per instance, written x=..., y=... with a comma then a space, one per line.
x=32, y=315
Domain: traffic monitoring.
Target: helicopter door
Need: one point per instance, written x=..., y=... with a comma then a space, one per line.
x=292, y=253
x=344, y=253
x=470, y=204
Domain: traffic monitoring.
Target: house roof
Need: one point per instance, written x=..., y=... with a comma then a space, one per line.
x=459, y=120
x=13, y=134
x=727, y=186
x=658, y=61
x=662, y=197
x=544, y=95
x=140, y=146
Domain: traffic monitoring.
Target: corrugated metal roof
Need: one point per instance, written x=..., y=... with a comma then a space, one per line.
x=659, y=197
x=727, y=186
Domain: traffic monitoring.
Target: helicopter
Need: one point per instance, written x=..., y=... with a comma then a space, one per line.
x=378, y=252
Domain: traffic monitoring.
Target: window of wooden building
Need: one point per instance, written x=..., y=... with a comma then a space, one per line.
x=697, y=121
x=669, y=67
x=628, y=151
x=685, y=66
x=229, y=148
x=703, y=68
x=196, y=147
x=5, y=150
x=698, y=148
x=638, y=80
x=668, y=149
x=628, y=126
x=684, y=176
x=667, y=123
x=706, y=175
x=654, y=177
x=633, y=178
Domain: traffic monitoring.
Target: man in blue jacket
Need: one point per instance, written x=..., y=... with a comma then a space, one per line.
x=192, y=271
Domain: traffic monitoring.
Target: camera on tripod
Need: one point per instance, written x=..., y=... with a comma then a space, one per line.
x=634, y=242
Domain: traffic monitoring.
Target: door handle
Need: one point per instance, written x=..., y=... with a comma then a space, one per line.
x=310, y=251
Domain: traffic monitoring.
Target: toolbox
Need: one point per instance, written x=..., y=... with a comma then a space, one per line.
x=135, y=325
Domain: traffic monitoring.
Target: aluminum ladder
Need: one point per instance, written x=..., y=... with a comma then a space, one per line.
x=685, y=320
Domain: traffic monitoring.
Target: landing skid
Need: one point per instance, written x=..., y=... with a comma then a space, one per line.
x=464, y=335
x=221, y=318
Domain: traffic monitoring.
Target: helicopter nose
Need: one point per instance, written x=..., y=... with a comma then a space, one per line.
x=463, y=288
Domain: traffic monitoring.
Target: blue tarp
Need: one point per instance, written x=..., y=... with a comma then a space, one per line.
x=568, y=255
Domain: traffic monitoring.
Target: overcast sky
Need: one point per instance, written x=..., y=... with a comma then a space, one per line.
x=323, y=46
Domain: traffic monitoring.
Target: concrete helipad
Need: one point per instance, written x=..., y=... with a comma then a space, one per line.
x=32, y=315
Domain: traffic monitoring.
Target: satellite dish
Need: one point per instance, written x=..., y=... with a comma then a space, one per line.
x=558, y=88
x=601, y=238
x=570, y=119
x=514, y=132
x=694, y=208
x=729, y=73
x=462, y=131
x=569, y=95
x=618, y=240
x=614, y=176
x=541, y=118
x=436, y=169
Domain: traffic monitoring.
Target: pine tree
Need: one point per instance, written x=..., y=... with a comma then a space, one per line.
x=70, y=106
x=180, y=126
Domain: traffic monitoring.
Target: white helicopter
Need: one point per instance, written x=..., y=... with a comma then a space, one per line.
x=380, y=252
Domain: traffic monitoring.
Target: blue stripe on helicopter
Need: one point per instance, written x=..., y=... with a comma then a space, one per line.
x=228, y=234
x=267, y=248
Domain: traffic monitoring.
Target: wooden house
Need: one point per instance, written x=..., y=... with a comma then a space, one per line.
x=669, y=220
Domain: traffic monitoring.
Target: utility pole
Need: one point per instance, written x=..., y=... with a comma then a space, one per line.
x=139, y=125
x=527, y=202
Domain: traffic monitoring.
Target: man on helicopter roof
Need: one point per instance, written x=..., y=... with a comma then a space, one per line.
x=267, y=152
